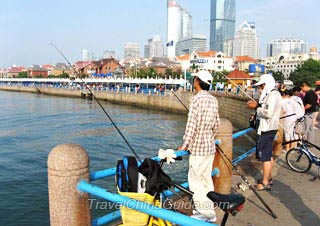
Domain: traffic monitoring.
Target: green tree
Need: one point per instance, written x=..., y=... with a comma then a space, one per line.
x=23, y=74
x=277, y=75
x=64, y=75
x=169, y=72
x=177, y=73
x=142, y=73
x=152, y=73
x=308, y=71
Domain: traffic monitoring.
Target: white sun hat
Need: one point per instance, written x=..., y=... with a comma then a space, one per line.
x=204, y=76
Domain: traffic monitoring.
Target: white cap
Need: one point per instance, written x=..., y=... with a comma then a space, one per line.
x=204, y=76
x=264, y=79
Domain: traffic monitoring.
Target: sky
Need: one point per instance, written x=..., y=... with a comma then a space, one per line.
x=29, y=26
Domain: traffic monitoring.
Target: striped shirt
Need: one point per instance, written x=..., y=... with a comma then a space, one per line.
x=202, y=125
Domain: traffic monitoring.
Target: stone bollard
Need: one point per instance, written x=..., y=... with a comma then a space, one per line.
x=67, y=165
x=222, y=182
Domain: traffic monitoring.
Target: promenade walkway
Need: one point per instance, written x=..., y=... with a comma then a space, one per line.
x=294, y=197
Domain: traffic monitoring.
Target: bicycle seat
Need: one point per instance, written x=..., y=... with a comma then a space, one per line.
x=227, y=203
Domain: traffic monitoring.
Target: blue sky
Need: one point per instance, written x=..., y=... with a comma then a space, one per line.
x=27, y=27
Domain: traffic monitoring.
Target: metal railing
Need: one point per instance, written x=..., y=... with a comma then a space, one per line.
x=158, y=212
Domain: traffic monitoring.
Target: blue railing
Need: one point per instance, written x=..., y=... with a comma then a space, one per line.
x=164, y=214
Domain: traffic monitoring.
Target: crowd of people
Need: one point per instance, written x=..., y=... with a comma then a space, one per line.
x=277, y=113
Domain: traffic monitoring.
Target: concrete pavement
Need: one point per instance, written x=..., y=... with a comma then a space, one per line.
x=294, y=197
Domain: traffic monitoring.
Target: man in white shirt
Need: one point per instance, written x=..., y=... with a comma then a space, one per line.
x=268, y=112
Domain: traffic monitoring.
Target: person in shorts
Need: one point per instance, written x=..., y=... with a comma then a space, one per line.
x=268, y=112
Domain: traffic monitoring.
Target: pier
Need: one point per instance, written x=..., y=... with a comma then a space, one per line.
x=294, y=198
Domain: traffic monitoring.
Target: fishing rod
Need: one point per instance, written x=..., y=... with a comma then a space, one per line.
x=103, y=109
x=236, y=85
x=188, y=110
x=222, y=153
x=247, y=182
x=244, y=92
x=180, y=101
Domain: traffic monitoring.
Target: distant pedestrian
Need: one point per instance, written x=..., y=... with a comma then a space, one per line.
x=289, y=117
x=298, y=109
x=229, y=87
x=238, y=89
x=310, y=106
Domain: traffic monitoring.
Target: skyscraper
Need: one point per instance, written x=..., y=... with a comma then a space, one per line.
x=109, y=54
x=222, y=23
x=286, y=45
x=131, y=50
x=192, y=43
x=154, y=47
x=246, y=41
x=186, y=24
x=179, y=26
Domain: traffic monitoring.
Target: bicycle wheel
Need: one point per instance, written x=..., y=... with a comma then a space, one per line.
x=298, y=160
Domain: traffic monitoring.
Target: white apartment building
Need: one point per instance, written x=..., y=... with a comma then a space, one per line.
x=285, y=63
x=286, y=45
x=210, y=60
x=246, y=41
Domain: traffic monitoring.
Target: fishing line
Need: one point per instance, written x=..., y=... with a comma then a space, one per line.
x=236, y=85
x=103, y=109
x=283, y=127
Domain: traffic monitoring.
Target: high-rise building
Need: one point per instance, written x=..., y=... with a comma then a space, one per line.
x=222, y=23
x=85, y=55
x=109, y=54
x=228, y=47
x=186, y=24
x=147, y=49
x=154, y=48
x=286, y=45
x=131, y=50
x=189, y=44
x=246, y=41
x=179, y=25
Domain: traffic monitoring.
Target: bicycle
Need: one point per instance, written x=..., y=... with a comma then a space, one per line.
x=300, y=158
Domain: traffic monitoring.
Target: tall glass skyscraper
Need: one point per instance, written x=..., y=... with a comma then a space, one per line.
x=222, y=23
x=179, y=26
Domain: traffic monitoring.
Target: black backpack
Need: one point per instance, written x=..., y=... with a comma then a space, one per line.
x=157, y=180
x=127, y=174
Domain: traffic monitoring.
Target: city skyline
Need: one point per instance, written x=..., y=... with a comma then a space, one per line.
x=26, y=33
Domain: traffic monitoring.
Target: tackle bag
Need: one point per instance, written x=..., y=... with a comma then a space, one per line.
x=157, y=180
x=128, y=178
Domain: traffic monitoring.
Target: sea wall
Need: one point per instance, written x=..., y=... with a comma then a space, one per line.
x=231, y=107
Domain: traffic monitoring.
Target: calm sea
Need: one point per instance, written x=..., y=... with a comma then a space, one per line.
x=31, y=125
